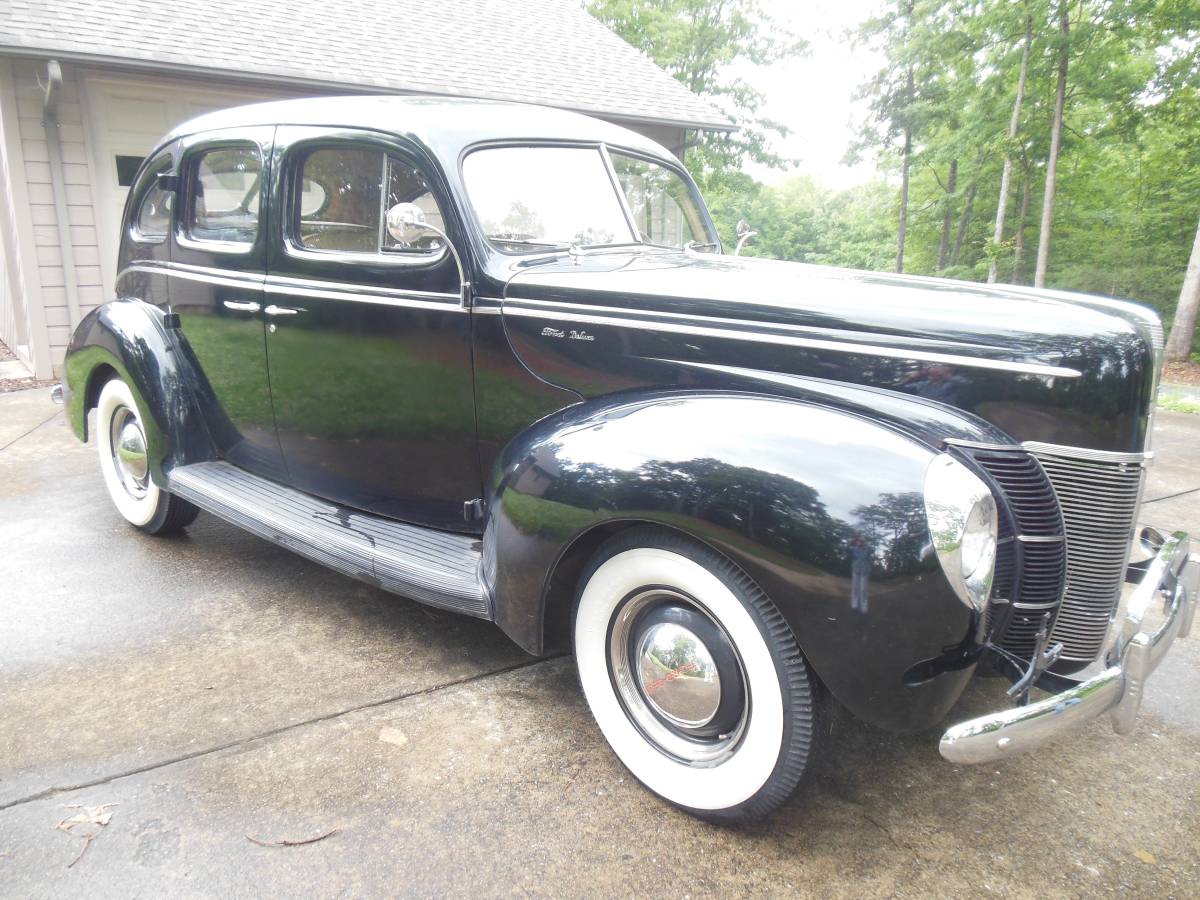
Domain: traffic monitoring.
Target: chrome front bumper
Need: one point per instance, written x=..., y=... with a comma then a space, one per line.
x=1172, y=576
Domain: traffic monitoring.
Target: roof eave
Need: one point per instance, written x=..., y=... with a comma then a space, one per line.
x=285, y=80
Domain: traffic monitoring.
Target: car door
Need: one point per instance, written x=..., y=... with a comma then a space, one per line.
x=218, y=266
x=369, y=346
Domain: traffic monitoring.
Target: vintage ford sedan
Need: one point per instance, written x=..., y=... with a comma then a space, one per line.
x=495, y=359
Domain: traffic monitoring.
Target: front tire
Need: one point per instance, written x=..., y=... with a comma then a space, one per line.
x=694, y=677
x=125, y=465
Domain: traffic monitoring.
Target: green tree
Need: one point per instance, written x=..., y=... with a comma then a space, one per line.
x=698, y=41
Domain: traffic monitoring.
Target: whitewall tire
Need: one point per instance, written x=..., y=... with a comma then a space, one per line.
x=693, y=676
x=125, y=464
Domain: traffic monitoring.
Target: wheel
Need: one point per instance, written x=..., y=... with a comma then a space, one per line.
x=694, y=676
x=121, y=442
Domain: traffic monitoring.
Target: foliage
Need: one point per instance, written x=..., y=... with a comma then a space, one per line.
x=696, y=41
x=1128, y=187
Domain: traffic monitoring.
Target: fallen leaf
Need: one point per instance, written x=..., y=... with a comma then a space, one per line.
x=96, y=816
x=1146, y=856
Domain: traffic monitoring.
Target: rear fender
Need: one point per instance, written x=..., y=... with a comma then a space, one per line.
x=129, y=337
x=823, y=507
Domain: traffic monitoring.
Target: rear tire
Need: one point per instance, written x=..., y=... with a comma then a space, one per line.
x=694, y=677
x=124, y=463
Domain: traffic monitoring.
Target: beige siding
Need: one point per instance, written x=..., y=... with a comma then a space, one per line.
x=48, y=253
x=22, y=320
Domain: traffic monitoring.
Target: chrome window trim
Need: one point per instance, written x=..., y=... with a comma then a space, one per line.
x=183, y=235
x=604, y=147
x=765, y=337
x=706, y=217
x=621, y=198
x=348, y=257
x=399, y=258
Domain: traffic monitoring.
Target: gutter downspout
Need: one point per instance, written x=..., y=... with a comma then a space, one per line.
x=58, y=184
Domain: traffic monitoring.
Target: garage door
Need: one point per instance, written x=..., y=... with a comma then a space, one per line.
x=126, y=121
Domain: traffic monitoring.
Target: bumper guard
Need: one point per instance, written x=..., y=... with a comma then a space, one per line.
x=1172, y=576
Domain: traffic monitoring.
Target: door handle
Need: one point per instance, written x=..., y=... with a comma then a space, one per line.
x=242, y=305
x=274, y=310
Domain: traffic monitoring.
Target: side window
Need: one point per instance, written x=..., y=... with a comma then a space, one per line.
x=662, y=205
x=153, y=219
x=343, y=197
x=225, y=188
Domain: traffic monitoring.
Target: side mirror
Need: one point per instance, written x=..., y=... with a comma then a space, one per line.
x=744, y=233
x=406, y=222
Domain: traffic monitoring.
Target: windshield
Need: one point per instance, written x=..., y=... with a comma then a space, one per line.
x=530, y=198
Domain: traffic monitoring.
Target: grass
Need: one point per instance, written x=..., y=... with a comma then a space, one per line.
x=1178, y=403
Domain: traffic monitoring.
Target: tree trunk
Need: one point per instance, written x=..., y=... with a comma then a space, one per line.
x=1013, y=125
x=902, y=229
x=1019, y=238
x=1179, y=344
x=963, y=221
x=1060, y=99
x=947, y=216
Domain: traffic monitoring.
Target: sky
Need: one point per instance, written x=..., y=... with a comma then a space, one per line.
x=813, y=95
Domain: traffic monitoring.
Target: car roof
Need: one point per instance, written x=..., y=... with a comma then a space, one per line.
x=445, y=125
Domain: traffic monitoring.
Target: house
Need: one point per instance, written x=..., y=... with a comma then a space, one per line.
x=86, y=89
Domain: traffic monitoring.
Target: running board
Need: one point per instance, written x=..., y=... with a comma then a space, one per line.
x=434, y=567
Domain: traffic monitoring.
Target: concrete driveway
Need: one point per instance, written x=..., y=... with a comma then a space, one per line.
x=212, y=689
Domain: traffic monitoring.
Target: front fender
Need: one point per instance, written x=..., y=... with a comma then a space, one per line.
x=823, y=508
x=129, y=337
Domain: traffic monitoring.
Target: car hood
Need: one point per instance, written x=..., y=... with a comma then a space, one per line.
x=1040, y=365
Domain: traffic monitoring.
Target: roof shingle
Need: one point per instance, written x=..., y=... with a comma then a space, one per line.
x=536, y=51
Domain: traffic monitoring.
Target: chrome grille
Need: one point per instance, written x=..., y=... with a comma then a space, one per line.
x=1030, y=556
x=1099, y=494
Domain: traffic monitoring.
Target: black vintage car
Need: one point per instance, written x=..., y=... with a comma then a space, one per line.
x=493, y=358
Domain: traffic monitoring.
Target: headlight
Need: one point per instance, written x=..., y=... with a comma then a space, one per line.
x=962, y=519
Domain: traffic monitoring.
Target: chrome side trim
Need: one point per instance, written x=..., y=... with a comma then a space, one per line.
x=223, y=277
x=1118, y=690
x=1142, y=458
x=300, y=287
x=342, y=287
x=637, y=316
x=765, y=337
x=294, y=287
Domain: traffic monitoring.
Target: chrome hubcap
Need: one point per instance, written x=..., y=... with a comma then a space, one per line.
x=130, y=461
x=678, y=676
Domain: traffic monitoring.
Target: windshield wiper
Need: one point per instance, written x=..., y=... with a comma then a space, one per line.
x=520, y=242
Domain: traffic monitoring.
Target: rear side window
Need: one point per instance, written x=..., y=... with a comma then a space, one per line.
x=153, y=219
x=342, y=198
x=225, y=193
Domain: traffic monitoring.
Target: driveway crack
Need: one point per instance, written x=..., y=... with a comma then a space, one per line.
x=273, y=732
x=22, y=437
